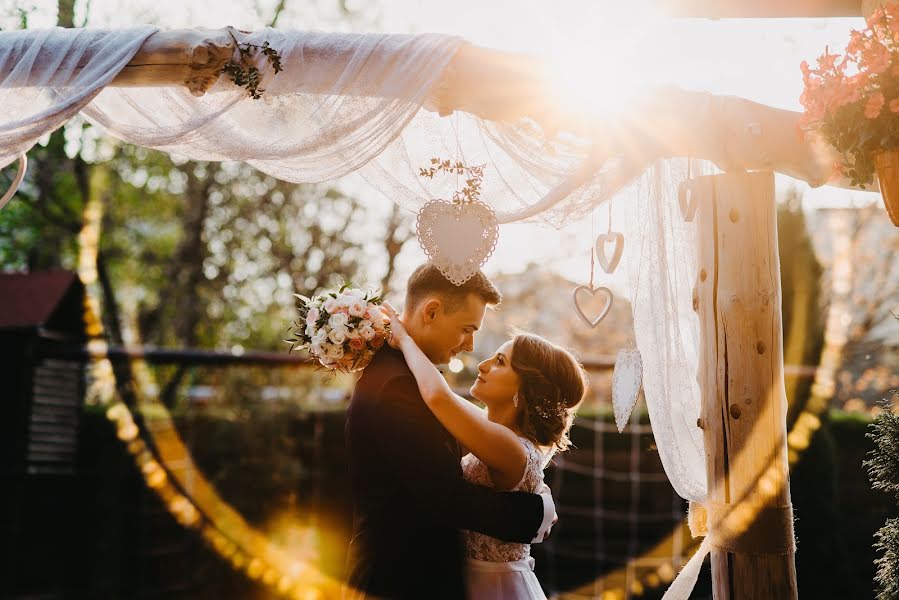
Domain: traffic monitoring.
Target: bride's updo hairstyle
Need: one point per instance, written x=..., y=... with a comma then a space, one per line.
x=553, y=383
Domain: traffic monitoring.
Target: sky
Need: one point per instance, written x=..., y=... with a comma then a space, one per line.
x=616, y=44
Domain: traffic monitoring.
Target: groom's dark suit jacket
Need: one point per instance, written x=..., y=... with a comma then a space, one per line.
x=410, y=499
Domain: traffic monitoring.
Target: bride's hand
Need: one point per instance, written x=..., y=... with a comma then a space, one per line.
x=397, y=330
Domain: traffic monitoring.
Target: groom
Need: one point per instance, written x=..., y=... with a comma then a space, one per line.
x=410, y=499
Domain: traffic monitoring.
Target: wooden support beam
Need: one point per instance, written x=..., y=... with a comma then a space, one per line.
x=744, y=406
x=731, y=9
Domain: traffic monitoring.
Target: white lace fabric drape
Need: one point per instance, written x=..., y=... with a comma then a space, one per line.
x=351, y=102
x=344, y=103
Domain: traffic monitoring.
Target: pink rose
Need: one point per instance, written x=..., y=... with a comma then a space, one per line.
x=377, y=341
x=894, y=105
x=357, y=309
x=357, y=343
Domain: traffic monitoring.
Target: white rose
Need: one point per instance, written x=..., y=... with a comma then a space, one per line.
x=315, y=347
x=346, y=299
x=338, y=320
x=335, y=352
x=364, y=323
x=310, y=330
x=367, y=332
x=312, y=316
x=357, y=293
x=320, y=336
x=337, y=336
x=330, y=305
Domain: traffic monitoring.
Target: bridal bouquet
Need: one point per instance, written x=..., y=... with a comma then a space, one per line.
x=342, y=329
x=853, y=99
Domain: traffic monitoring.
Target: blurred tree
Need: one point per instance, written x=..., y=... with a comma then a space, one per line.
x=801, y=300
x=875, y=277
x=38, y=228
x=192, y=253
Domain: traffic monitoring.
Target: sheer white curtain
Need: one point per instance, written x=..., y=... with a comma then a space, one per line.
x=343, y=103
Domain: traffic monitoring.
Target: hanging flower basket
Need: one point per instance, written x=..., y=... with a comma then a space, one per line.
x=887, y=164
x=853, y=101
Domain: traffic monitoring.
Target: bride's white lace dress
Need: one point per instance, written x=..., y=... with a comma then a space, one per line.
x=499, y=570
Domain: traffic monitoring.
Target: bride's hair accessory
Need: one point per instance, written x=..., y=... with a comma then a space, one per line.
x=547, y=410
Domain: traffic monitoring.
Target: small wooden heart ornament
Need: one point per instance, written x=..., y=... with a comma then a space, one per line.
x=609, y=264
x=458, y=238
x=590, y=290
x=686, y=198
x=626, y=383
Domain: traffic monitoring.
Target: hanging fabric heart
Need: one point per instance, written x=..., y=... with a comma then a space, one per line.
x=609, y=264
x=590, y=290
x=457, y=237
x=626, y=384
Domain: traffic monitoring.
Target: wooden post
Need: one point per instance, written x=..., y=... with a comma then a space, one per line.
x=744, y=406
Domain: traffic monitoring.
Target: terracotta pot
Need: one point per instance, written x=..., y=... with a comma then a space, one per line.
x=887, y=165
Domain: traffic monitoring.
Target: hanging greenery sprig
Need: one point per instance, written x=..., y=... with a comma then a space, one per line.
x=471, y=192
x=245, y=74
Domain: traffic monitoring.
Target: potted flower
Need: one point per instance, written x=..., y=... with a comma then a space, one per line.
x=853, y=101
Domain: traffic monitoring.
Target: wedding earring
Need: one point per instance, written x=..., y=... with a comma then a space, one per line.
x=515, y=400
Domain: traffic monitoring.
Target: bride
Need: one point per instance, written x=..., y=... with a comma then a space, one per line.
x=531, y=389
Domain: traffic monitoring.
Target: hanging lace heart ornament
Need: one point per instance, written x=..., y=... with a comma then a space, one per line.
x=626, y=383
x=457, y=237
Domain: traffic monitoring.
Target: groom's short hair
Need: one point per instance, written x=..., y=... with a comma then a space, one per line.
x=427, y=280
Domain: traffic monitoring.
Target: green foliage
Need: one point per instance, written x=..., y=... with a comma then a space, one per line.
x=471, y=191
x=883, y=467
x=247, y=75
x=887, y=543
x=883, y=471
x=38, y=227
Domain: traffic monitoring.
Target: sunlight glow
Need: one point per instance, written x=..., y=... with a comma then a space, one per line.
x=591, y=87
x=598, y=64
